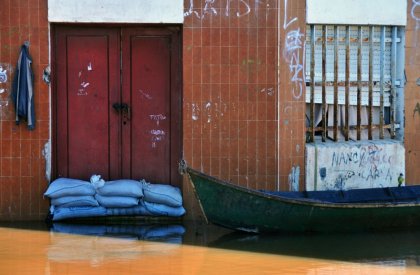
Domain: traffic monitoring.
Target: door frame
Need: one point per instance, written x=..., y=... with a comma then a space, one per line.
x=175, y=33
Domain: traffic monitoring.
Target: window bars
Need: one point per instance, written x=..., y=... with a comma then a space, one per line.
x=351, y=74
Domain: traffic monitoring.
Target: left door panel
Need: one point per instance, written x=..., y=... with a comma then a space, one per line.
x=87, y=84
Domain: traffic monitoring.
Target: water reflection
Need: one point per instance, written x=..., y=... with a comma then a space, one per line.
x=107, y=244
x=379, y=248
x=396, y=249
x=169, y=233
x=66, y=248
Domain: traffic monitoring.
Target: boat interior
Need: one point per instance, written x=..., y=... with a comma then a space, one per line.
x=406, y=194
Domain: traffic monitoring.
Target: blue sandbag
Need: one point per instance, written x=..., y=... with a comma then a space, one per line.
x=69, y=201
x=138, y=210
x=116, y=201
x=162, y=194
x=61, y=213
x=69, y=187
x=128, y=188
x=164, y=210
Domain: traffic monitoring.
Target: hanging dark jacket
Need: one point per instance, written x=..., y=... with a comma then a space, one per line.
x=22, y=90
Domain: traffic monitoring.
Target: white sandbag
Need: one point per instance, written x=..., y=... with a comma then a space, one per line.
x=69, y=201
x=116, y=201
x=128, y=188
x=69, y=187
x=162, y=194
x=96, y=181
x=62, y=213
x=164, y=210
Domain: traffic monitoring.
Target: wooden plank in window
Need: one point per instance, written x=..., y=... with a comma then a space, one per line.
x=346, y=123
x=312, y=104
x=324, y=79
x=381, y=83
x=370, y=106
x=359, y=83
x=335, y=83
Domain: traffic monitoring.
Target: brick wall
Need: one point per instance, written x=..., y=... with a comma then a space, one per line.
x=22, y=166
x=237, y=84
x=243, y=107
x=412, y=94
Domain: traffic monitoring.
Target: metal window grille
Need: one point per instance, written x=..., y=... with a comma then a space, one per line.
x=351, y=76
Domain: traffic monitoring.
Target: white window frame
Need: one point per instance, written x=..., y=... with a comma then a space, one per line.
x=359, y=66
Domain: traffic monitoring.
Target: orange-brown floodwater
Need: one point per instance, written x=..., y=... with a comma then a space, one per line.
x=145, y=249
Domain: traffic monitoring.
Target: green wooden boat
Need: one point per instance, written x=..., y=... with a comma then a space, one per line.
x=239, y=208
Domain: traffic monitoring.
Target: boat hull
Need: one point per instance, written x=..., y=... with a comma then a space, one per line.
x=242, y=209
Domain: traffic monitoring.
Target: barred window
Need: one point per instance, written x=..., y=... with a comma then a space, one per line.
x=353, y=78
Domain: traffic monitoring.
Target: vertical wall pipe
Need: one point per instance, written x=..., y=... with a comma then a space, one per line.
x=393, y=79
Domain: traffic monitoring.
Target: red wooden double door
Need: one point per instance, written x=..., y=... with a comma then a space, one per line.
x=117, y=103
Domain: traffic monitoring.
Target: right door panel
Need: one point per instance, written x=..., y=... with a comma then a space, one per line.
x=147, y=133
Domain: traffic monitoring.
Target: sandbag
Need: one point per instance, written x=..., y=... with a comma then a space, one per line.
x=61, y=213
x=164, y=210
x=63, y=187
x=162, y=194
x=116, y=201
x=69, y=201
x=128, y=188
x=138, y=210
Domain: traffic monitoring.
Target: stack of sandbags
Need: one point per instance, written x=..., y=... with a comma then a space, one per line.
x=120, y=197
x=72, y=198
x=162, y=199
x=119, y=193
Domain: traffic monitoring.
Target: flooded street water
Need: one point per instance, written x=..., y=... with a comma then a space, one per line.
x=198, y=249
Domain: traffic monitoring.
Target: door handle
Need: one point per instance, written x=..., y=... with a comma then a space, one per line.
x=126, y=110
x=123, y=108
x=117, y=107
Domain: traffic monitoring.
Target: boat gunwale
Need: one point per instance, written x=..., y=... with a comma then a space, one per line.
x=301, y=201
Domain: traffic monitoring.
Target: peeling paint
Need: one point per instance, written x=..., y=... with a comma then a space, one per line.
x=5, y=87
x=195, y=111
x=46, y=153
x=3, y=75
x=294, y=178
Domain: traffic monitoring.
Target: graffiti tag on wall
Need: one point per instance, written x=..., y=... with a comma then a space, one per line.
x=5, y=90
x=292, y=53
x=239, y=8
